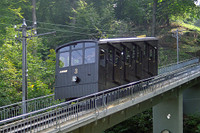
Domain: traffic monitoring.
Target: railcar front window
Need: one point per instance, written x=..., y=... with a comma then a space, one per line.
x=77, y=46
x=64, y=59
x=77, y=57
x=89, y=44
x=64, y=49
x=89, y=55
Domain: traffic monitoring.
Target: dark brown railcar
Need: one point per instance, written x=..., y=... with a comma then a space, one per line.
x=88, y=66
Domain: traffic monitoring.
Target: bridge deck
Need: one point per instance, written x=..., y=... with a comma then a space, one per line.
x=73, y=114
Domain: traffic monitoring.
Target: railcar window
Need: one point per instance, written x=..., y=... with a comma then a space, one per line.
x=89, y=55
x=133, y=54
x=77, y=46
x=117, y=58
x=145, y=49
x=110, y=55
x=128, y=56
x=151, y=54
x=76, y=57
x=64, y=59
x=89, y=44
x=64, y=49
x=102, y=57
x=122, y=55
x=138, y=54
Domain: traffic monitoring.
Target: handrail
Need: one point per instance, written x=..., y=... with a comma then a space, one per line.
x=13, y=110
x=176, y=66
x=138, y=85
x=175, y=63
x=26, y=101
x=35, y=104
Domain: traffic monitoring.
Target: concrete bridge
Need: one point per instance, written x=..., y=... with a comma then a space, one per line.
x=98, y=112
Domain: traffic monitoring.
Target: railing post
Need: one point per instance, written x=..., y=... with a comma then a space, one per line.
x=118, y=95
x=56, y=118
x=77, y=109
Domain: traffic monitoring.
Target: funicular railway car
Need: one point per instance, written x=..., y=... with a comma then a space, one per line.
x=89, y=66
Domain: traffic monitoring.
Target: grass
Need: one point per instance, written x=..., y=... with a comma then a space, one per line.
x=189, y=26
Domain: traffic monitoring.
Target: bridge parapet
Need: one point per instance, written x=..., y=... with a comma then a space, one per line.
x=34, y=104
x=90, y=107
x=175, y=66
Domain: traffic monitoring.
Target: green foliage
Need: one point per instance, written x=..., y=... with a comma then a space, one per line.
x=37, y=88
x=141, y=123
x=177, y=8
x=10, y=14
x=11, y=73
x=192, y=123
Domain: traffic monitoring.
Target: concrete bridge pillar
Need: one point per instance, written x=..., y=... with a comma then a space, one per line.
x=168, y=115
x=191, y=100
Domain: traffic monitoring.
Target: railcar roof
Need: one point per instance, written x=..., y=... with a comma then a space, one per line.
x=132, y=39
x=112, y=40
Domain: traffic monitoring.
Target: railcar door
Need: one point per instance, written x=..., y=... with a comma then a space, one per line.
x=118, y=68
x=139, y=73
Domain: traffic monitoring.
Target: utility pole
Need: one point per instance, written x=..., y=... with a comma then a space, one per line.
x=34, y=15
x=154, y=18
x=177, y=36
x=24, y=67
x=24, y=29
x=177, y=47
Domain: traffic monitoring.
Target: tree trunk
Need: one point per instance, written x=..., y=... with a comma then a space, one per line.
x=154, y=17
x=34, y=11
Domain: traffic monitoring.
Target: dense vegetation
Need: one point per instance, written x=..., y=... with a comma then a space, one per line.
x=83, y=19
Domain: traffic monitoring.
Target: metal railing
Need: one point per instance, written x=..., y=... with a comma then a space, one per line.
x=15, y=109
x=74, y=110
x=175, y=66
x=35, y=104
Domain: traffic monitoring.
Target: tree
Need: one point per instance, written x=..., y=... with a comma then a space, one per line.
x=154, y=17
x=11, y=73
